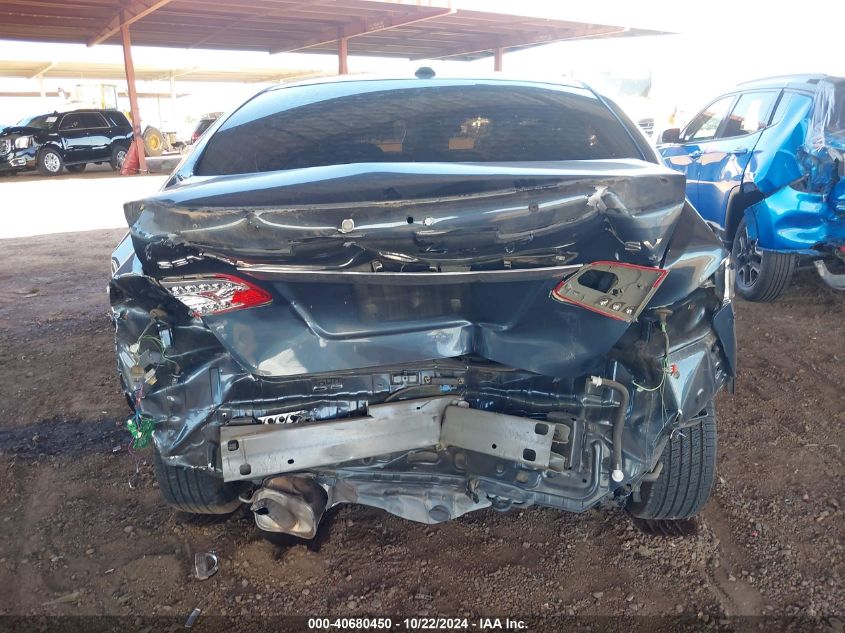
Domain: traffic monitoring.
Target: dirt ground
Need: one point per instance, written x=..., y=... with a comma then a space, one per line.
x=82, y=529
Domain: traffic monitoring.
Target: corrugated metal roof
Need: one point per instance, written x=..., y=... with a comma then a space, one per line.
x=417, y=29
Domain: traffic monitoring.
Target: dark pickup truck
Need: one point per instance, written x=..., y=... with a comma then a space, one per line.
x=54, y=142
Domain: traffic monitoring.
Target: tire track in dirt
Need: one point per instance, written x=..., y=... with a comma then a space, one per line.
x=736, y=598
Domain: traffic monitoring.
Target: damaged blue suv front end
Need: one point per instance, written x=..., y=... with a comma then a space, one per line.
x=765, y=163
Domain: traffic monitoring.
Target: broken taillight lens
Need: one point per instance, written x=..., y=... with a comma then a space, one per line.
x=216, y=294
x=615, y=289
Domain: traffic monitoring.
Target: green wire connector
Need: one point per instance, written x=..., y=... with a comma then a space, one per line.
x=140, y=427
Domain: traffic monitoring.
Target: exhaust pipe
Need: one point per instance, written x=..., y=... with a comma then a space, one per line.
x=290, y=505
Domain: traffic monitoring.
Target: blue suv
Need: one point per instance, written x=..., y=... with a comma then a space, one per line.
x=764, y=165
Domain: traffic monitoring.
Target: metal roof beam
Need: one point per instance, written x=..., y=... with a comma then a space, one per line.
x=132, y=12
x=274, y=13
x=489, y=45
x=40, y=72
x=363, y=27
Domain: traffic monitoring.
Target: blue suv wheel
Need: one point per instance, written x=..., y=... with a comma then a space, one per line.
x=760, y=275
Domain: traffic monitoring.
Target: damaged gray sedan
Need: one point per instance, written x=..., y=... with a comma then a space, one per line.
x=429, y=296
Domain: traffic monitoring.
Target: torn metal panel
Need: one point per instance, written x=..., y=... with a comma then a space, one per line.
x=694, y=255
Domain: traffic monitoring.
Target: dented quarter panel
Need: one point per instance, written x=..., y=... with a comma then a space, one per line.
x=693, y=256
x=775, y=162
x=794, y=220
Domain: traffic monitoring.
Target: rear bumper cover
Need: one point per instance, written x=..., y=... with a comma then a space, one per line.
x=345, y=430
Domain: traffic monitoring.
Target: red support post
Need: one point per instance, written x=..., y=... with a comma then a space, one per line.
x=342, y=55
x=133, y=95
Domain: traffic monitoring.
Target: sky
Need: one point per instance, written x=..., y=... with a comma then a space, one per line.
x=714, y=45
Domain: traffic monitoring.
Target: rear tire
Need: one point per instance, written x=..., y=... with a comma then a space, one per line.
x=195, y=491
x=689, y=469
x=118, y=155
x=760, y=275
x=49, y=162
x=76, y=169
x=153, y=142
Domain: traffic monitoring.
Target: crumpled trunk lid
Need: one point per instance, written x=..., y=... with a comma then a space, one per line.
x=373, y=264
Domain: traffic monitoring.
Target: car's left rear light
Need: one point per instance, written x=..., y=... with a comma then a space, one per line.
x=215, y=294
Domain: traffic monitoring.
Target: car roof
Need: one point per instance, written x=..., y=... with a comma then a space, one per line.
x=806, y=82
x=90, y=110
x=63, y=112
x=488, y=78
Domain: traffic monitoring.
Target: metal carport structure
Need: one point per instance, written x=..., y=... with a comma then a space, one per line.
x=416, y=29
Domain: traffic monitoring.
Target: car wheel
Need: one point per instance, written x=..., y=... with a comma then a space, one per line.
x=687, y=473
x=50, y=163
x=76, y=169
x=760, y=275
x=194, y=490
x=153, y=142
x=118, y=155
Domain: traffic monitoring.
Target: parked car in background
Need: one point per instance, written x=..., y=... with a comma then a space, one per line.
x=764, y=162
x=54, y=142
x=203, y=124
x=425, y=295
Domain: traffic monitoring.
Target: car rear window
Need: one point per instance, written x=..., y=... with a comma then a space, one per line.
x=117, y=119
x=326, y=124
x=203, y=125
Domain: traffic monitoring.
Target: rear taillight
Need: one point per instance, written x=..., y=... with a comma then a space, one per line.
x=614, y=289
x=216, y=294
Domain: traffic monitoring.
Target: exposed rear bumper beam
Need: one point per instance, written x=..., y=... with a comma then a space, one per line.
x=254, y=451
